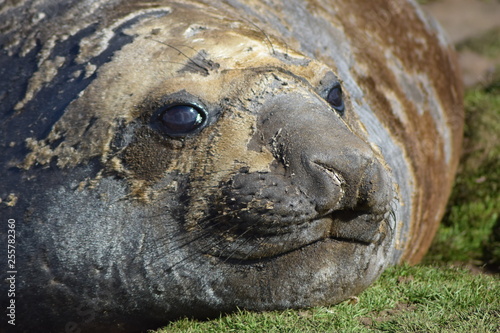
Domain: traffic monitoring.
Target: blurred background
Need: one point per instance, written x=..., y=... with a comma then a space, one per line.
x=470, y=233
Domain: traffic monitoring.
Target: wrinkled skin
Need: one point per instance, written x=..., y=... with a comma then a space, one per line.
x=280, y=192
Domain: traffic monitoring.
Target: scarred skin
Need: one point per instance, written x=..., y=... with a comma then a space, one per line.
x=284, y=194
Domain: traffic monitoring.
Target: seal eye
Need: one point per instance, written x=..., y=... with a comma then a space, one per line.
x=178, y=120
x=335, y=98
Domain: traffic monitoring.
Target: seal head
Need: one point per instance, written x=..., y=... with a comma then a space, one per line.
x=174, y=166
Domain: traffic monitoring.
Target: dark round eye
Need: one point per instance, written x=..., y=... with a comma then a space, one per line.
x=335, y=98
x=178, y=120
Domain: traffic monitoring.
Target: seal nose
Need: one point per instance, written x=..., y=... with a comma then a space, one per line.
x=347, y=180
x=334, y=167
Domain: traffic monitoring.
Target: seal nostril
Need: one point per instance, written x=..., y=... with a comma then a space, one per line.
x=375, y=189
x=356, y=182
x=326, y=186
x=335, y=177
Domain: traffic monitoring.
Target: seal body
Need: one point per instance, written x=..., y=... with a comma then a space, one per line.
x=184, y=158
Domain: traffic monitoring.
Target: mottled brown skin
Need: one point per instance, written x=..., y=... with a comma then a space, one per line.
x=283, y=195
x=426, y=154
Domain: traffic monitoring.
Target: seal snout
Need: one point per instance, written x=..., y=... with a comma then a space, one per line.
x=326, y=184
x=353, y=190
x=347, y=178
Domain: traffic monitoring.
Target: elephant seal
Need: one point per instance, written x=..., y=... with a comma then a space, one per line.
x=184, y=158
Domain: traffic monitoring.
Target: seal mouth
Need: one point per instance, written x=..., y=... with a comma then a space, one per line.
x=341, y=226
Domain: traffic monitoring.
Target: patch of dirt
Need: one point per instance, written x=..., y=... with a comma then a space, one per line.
x=477, y=267
x=476, y=68
x=386, y=315
x=468, y=19
x=405, y=279
x=463, y=19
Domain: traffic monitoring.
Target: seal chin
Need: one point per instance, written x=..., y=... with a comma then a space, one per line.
x=364, y=230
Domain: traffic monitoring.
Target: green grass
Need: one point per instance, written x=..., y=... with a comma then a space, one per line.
x=404, y=299
x=423, y=2
x=487, y=44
